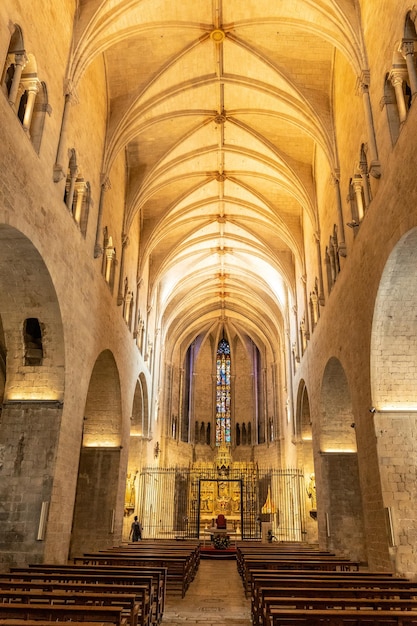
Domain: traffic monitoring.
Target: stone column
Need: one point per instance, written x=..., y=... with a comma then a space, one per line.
x=357, y=187
x=363, y=85
x=80, y=188
x=105, y=186
x=397, y=75
x=71, y=188
x=340, y=224
x=320, y=269
x=128, y=307
x=120, y=293
x=407, y=50
x=110, y=256
x=20, y=60
x=32, y=88
x=60, y=166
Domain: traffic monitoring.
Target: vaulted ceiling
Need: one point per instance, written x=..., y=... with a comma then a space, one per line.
x=221, y=107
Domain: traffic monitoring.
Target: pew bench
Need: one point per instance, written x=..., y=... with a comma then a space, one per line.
x=266, y=595
x=327, y=603
x=272, y=564
x=109, y=579
x=179, y=575
x=51, y=612
x=11, y=590
x=348, y=617
x=129, y=602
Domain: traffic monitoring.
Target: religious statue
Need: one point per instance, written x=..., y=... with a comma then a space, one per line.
x=311, y=492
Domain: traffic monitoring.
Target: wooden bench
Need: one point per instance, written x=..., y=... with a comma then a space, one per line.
x=350, y=617
x=141, y=593
x=320, y=564
x=179, y=574
x=129, y=602
x=153, y=581
x=51, y=612
x=264, y=596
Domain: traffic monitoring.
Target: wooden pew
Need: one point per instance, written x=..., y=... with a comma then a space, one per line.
x=321, y=563
x=351, y=617
x=142, y=596
x=178, y=566
x=362, y=580
x=152, y=580
x=129, y=602
x=50, y=612
x=265, y=596
x=326, y=602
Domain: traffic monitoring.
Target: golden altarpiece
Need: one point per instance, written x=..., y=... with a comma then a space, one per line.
x=184, y=502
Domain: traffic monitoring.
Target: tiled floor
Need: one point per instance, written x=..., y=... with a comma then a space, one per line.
x=215, y=596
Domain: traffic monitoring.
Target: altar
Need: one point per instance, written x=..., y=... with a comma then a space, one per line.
x=209, y=534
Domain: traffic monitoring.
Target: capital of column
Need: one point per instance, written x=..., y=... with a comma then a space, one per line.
x=110, y=254
x=406, y=47
x=357, y=181
x=362, y=83
x=31, y=84
x=105, y=182
x=70, y=92
x=335, y=177
x=20, y=58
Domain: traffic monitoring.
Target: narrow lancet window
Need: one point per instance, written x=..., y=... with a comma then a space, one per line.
x=223, y=393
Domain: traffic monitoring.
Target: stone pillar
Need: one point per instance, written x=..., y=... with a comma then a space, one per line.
x=341, y=226
x=20, y=61
x=120, y=293
x=60, y=167
x=407, y=50
x=375, y=166
x=80, y=188
x=397, y=75
x=105, y=186
x=320, y=269
x=71, y=185
x=357, y=186
x=128, y=307
x=110, y=256
x=32, y=88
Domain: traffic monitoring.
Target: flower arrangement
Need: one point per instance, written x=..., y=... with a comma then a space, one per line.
x=221, y=542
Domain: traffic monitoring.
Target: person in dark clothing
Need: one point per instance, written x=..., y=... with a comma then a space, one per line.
x=135, y=530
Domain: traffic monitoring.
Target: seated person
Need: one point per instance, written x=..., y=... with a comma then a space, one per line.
x=221, y=521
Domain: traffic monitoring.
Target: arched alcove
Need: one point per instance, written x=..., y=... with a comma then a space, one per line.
x=394, y=331
x=304, y=442
x=339, y=502
x=31, y=391
x=394, y=394
x=336, y=412
x=98, y=475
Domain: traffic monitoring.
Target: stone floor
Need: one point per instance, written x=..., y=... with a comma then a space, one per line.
x=215, y=596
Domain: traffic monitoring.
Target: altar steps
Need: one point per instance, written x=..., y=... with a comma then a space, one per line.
x=209, y=552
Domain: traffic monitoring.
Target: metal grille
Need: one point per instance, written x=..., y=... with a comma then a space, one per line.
x=171, y=504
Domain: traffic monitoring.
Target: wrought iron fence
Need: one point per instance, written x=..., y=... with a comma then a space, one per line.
x=180, y=502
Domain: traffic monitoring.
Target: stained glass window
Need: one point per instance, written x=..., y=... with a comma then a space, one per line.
x=223, y=393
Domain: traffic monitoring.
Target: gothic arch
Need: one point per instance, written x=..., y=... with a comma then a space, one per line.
x=336, y=410
x=98, y=475
x=394, y=331
x=31, y=394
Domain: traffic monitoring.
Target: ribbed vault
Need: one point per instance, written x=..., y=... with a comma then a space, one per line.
x=222, y=109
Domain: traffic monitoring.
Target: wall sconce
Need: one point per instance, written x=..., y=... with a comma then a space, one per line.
x=156, y=450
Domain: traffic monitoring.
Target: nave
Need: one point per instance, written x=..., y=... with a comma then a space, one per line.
x=216, y=596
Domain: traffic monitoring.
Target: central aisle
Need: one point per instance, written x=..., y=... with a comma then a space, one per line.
x=215, y=596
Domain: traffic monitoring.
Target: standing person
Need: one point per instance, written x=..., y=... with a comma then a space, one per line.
x=135, y=530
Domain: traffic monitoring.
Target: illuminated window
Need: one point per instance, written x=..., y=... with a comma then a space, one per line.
x=223, y=393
